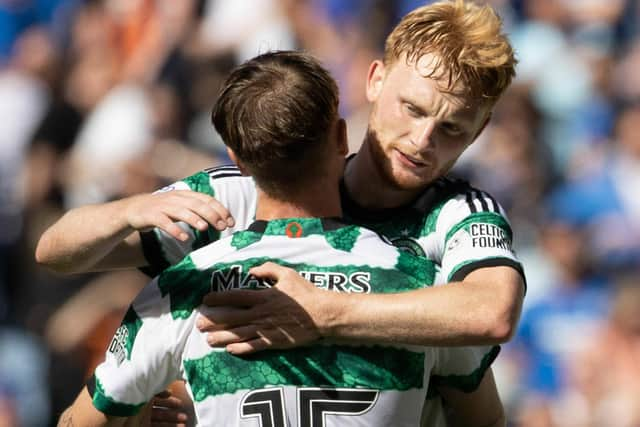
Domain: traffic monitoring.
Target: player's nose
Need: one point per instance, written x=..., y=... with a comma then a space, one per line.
x=422, y=136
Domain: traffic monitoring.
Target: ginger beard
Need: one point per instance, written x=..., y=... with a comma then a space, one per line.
x=405, y=174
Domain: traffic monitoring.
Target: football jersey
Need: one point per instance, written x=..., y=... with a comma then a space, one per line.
x=324, y=384
x=452, y=224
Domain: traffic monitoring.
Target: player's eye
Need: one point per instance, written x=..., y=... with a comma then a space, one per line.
x=412, y=110
x=452, y=129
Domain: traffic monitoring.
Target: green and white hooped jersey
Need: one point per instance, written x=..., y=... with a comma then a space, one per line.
x=457, y=227
x=326, y=384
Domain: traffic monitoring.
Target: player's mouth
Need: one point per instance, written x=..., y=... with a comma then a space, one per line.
x=410, y=161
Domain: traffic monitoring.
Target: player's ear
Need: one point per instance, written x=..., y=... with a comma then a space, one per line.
x=237, y=161
x=375, y=78
x=341, y=137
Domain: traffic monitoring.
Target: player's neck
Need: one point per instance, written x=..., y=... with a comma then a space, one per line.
x=368, y=188
x=315, y=203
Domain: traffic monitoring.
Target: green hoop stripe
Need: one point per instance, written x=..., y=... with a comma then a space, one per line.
x=383, y=368
x=108, y=406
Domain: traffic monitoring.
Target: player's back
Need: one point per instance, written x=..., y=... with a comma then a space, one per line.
x=327, y=384
x=324, y=384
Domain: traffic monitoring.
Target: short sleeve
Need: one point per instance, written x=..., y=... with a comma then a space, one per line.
x=462, y=368
x=143, y=357
x=474, y=232
x=234, y=191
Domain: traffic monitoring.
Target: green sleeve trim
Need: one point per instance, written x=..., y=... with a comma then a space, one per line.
x=108, y=406
x=482, y=217
x=465, y=383
x=460, y=271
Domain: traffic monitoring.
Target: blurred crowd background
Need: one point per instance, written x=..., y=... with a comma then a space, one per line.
x=101, y=99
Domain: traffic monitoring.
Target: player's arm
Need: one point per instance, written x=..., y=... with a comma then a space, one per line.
x=143, y=358
x=482, y=309
x=82, y=413
x=477, y=257
x=479, y=408
x=100, y=237
x=463, y=379
x=480, y=305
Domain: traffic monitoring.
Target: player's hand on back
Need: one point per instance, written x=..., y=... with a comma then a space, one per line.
x=292, y=313
x=163, y=209
x=172, y=407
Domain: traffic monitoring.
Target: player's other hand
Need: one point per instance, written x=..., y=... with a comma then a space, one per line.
x=164, y=209
x=292, y=313
x=172, y=407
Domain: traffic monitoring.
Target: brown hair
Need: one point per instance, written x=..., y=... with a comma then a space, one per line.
x=275, y=112
x=471, y=52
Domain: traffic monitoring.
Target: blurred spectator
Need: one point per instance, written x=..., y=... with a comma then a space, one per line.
x=8, y=416
x=18, y=16
x=604, y=203
x=535, y=412
x=353, y=99
x=244, y=27
x=88, y=80
x=604, y=387
x=117, y=130
x=24, y=94
x=558, y=90
x=558, y=325
x=626, y=82
x=24, y=381
x=101, y=304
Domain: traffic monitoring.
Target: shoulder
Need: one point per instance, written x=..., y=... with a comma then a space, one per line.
x=379, y=251
x=207, y=256
x=359, y=240
x=449, y=203
x=188, y=281
x=458, y=194
x=439, y=192
x=187, y=272
x=457, y=201
x=213, y=180
x=227, y=175
x=223, y=171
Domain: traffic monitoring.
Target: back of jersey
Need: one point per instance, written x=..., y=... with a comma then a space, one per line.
x=326, y=384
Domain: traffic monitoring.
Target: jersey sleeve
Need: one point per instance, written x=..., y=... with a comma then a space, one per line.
x=143, y=357
x=234, y=191
x=461, y=368
x=474, y=232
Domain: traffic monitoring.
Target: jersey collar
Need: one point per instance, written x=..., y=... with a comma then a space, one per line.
x=296, y=227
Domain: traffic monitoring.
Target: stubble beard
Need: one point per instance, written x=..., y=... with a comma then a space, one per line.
x=385, y=169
